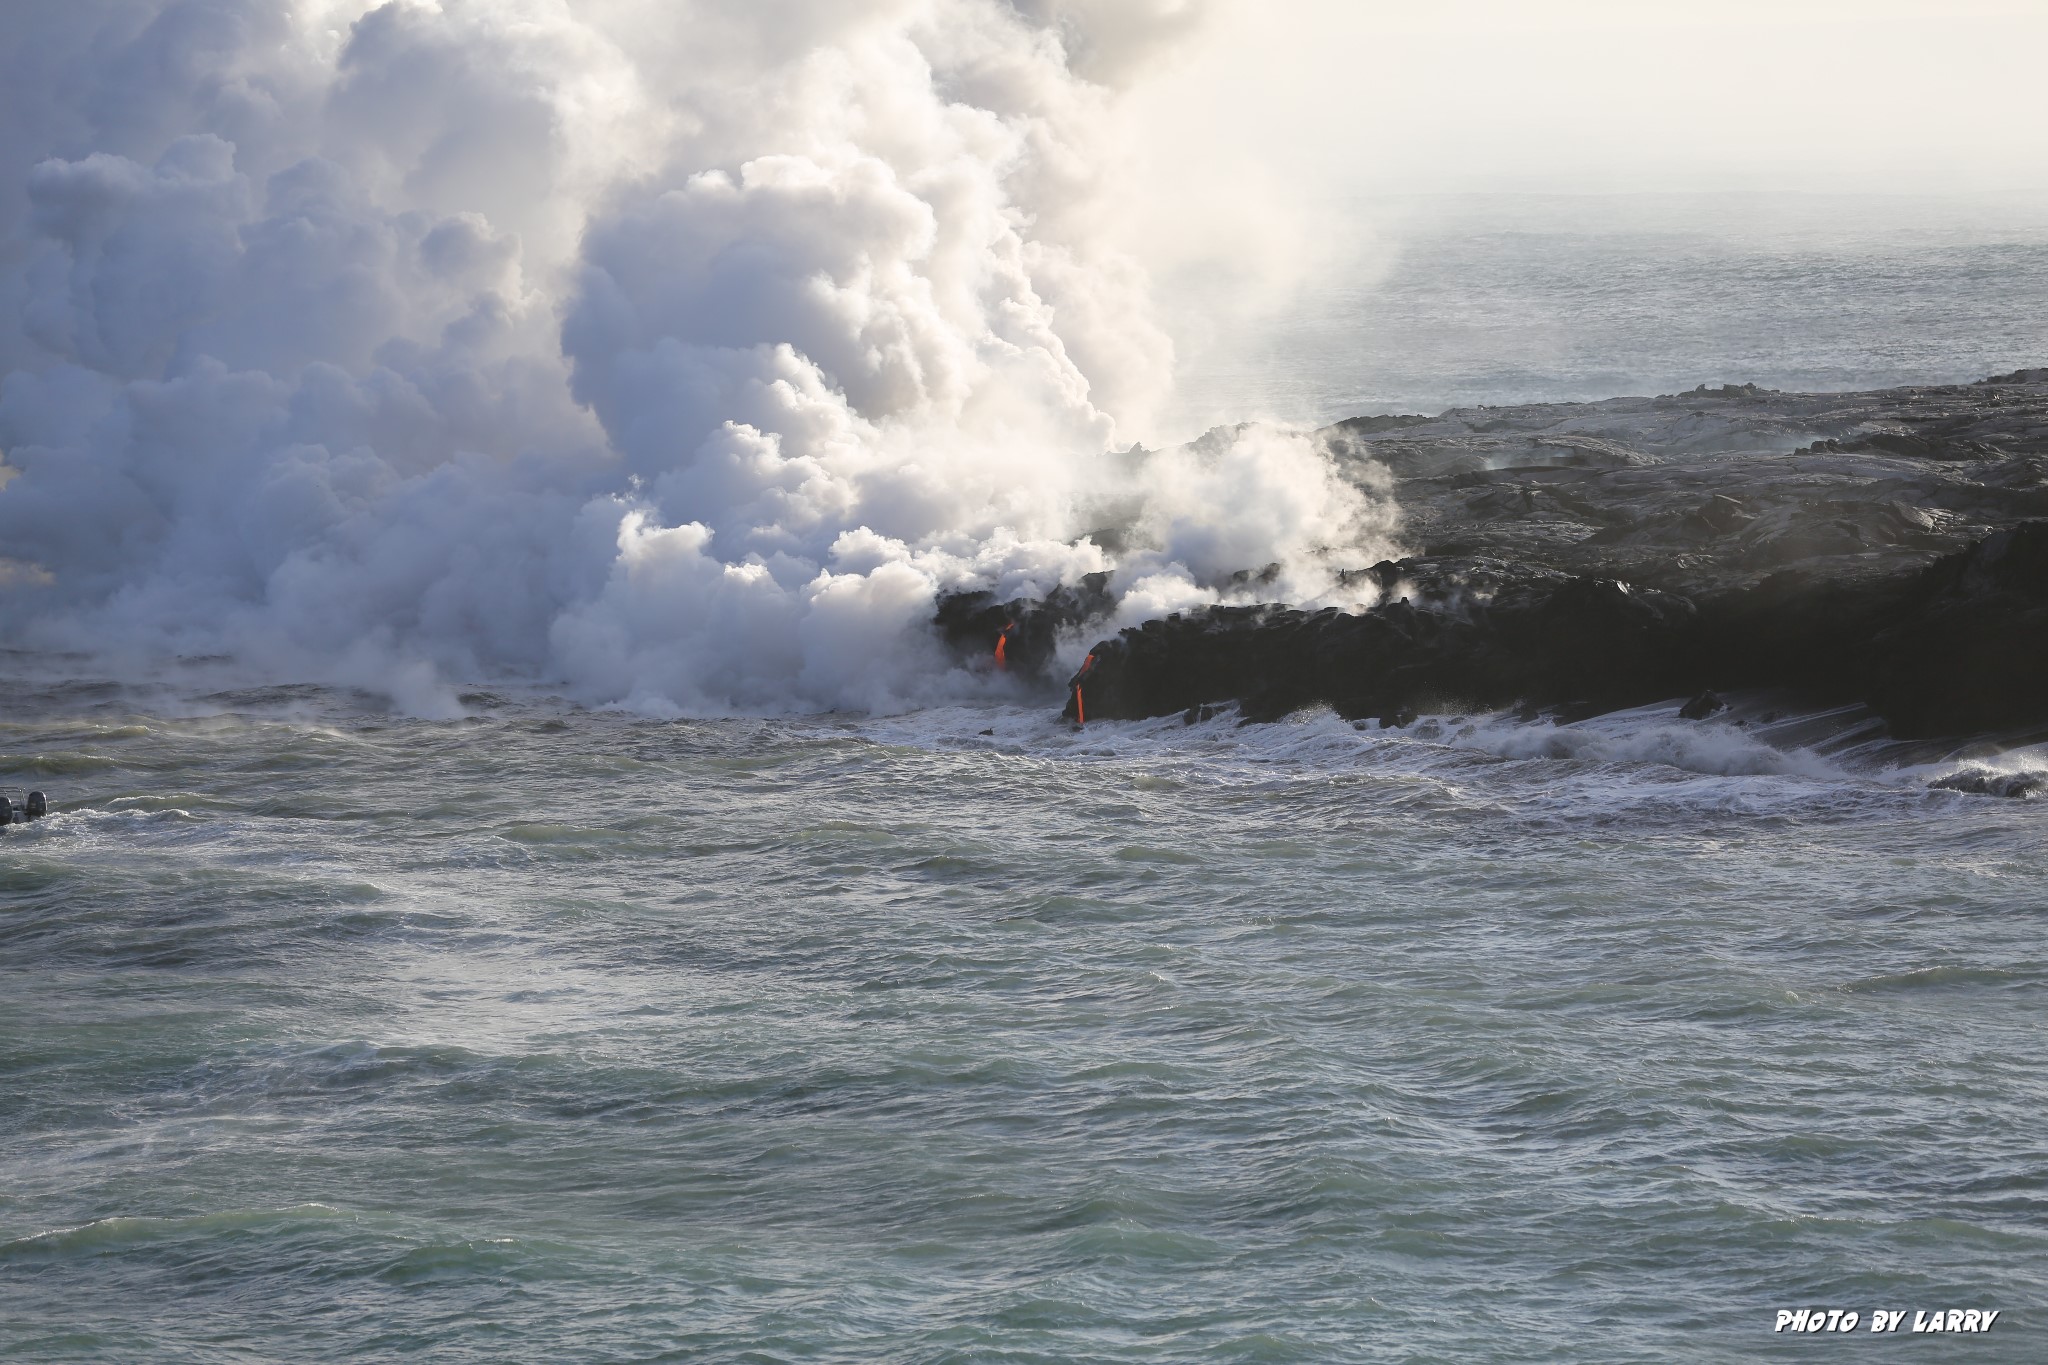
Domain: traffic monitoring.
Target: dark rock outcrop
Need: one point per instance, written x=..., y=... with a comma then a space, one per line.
x=1549, y=639
x=1717, y=489
x=1977, y=782
x=1704, y=705
x=1967, y=650
x=1957, y=648
x=1019, y=636
x=1886, y=548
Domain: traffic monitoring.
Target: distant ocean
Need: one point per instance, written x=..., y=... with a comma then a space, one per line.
x=550, y=1034
x=1502, y=299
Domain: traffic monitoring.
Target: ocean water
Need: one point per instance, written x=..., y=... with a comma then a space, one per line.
x=1431, y=303
x=550, y=1034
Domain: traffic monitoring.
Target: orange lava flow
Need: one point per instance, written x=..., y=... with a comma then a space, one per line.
x=1080, y=706
x=1002, y=644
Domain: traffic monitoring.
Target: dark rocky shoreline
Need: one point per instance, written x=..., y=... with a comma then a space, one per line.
x=1886, y=548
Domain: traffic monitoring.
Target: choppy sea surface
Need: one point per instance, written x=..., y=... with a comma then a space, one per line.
x=551, y=1034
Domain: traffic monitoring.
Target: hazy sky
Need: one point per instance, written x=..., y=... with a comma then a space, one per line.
x=1599, y=95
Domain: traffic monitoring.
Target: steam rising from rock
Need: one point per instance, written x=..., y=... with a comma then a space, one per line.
x=680, y=352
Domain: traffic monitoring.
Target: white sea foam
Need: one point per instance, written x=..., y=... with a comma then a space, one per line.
x=1640, y=766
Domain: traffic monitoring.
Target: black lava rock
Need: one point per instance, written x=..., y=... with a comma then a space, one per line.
x=1955, y=649
x=974, y=623
x=1702, y=706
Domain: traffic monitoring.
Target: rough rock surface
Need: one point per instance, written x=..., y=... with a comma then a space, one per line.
x=1719, y=488
x=1957, y=648
x=1888, y=548
x=1020, y=636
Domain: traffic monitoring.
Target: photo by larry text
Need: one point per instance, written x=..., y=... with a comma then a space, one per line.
x=1885, y=1320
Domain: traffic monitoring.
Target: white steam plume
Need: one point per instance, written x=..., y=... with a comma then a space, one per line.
x=681, y=352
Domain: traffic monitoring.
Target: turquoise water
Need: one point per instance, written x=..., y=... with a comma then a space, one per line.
x=552, y=1035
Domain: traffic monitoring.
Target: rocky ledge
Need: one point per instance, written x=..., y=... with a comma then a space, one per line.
x=1888, y=548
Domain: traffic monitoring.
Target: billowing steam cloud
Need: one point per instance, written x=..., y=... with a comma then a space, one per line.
x=678, y=350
